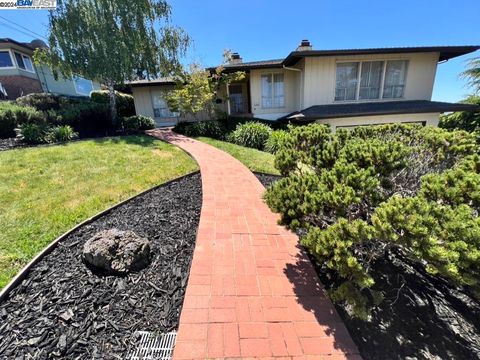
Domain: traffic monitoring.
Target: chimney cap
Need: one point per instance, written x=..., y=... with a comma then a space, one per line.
x=305, y=42
x=235, y=55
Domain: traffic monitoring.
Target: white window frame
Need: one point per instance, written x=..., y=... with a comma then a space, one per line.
x=23, y=56
x=12, y=59
x=75, y=85
x=359, y=74
x=272, y=75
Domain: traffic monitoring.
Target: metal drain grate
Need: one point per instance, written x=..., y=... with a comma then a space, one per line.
x=153, y=347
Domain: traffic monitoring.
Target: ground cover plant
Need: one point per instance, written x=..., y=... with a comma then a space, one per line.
x=45, y=191
x=360, y=196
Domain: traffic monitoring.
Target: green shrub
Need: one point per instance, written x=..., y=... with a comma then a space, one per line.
x=7, y=121
x=274, y=141
x=13, y=115
x=463, y=120
x=374, y=192
x=125, y=104
x=32, y=133
x=209, y=128
x=87, y=118
x=60, y=134
x=137, y=123
x=250, y=134
x=40, y=101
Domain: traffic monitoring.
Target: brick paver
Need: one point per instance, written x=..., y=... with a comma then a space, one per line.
x=252, y=291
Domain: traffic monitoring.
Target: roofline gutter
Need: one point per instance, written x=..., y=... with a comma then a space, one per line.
x=290, y=68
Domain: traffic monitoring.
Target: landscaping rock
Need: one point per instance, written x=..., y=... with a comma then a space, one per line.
x=117, y=252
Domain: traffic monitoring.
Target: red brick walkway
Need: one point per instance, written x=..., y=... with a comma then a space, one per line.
x=252, y=291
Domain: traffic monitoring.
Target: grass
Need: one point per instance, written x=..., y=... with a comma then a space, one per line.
x=254, y=159
x=45, y=191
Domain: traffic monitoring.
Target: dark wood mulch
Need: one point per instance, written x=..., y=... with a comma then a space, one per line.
x=11, y=143
x=63, y=310
x=422, y=317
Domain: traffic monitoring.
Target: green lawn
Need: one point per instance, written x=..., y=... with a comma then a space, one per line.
x=45, y=191
x=254, y=159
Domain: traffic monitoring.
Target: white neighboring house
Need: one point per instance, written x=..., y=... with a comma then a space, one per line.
x=343, y=88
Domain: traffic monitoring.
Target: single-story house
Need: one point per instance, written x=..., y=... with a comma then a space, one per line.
x=343, y=88
x=19, y=76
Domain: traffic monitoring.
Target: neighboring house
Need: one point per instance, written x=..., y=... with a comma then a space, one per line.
x=20, y=76
x=343, y=88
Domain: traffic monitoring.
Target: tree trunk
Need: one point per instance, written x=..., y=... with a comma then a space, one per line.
x=113, y=105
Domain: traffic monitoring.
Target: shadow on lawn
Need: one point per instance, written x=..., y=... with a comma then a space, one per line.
x=141, y=139
x=422, y=317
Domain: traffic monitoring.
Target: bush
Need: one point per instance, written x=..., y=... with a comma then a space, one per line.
x=7, y=121
x=40, y=101
x=32, y=133
x=274, y=141
x=210, y=128
x=376, y=192
x=125, y=103
x=87, y=118
x=250, y=134
x=60, y=134
x=463, y=120
x=13, y=115
x=137, y=123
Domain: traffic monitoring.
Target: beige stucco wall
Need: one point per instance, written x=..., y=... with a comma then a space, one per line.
x=430, y=119
x=292, y=81
x=319, y=76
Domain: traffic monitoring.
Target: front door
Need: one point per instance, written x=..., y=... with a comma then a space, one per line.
x=238, y=100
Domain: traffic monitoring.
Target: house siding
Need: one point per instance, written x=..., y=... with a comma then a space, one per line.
x=319, y=76
x=292, y=80
x=64, y=86
x=17, y=85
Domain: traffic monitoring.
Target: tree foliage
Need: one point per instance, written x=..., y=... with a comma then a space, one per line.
x=198, y=89
x=472, y=74
x=113, y=41
x=463, y=120
x=360, y=195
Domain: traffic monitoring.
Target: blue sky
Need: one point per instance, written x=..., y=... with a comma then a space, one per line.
x=270, y=29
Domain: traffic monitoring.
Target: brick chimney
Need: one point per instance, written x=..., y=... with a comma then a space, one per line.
x=305, y=46
x=235, y=58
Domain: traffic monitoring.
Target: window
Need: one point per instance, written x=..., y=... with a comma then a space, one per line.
x=24, y=62
x=395, y=75
x=160, y=108
x=5, y=59
x=273, y=92
x=82, y=86
x=346, y=85
x=369, y=80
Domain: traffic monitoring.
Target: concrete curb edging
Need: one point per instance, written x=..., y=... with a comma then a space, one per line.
x=22, y=274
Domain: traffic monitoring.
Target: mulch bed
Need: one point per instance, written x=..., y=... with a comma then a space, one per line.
x=63, y=310
x=422, y=317
x=11, y=143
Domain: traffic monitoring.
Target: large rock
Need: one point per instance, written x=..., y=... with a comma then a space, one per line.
x=117, y=252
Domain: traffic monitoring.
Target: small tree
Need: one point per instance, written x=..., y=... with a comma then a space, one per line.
x=113, y=41
x=198, y=88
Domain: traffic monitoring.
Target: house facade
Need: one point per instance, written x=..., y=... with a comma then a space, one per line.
x=19, y=76
x=343, y=88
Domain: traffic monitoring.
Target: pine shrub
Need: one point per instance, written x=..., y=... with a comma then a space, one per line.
x=274, y=141
x=362, y=195
x=209, y=128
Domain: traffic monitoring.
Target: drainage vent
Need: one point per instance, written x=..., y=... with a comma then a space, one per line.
x=152, y=347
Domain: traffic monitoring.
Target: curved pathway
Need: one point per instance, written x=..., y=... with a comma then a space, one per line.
x=252, y=291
